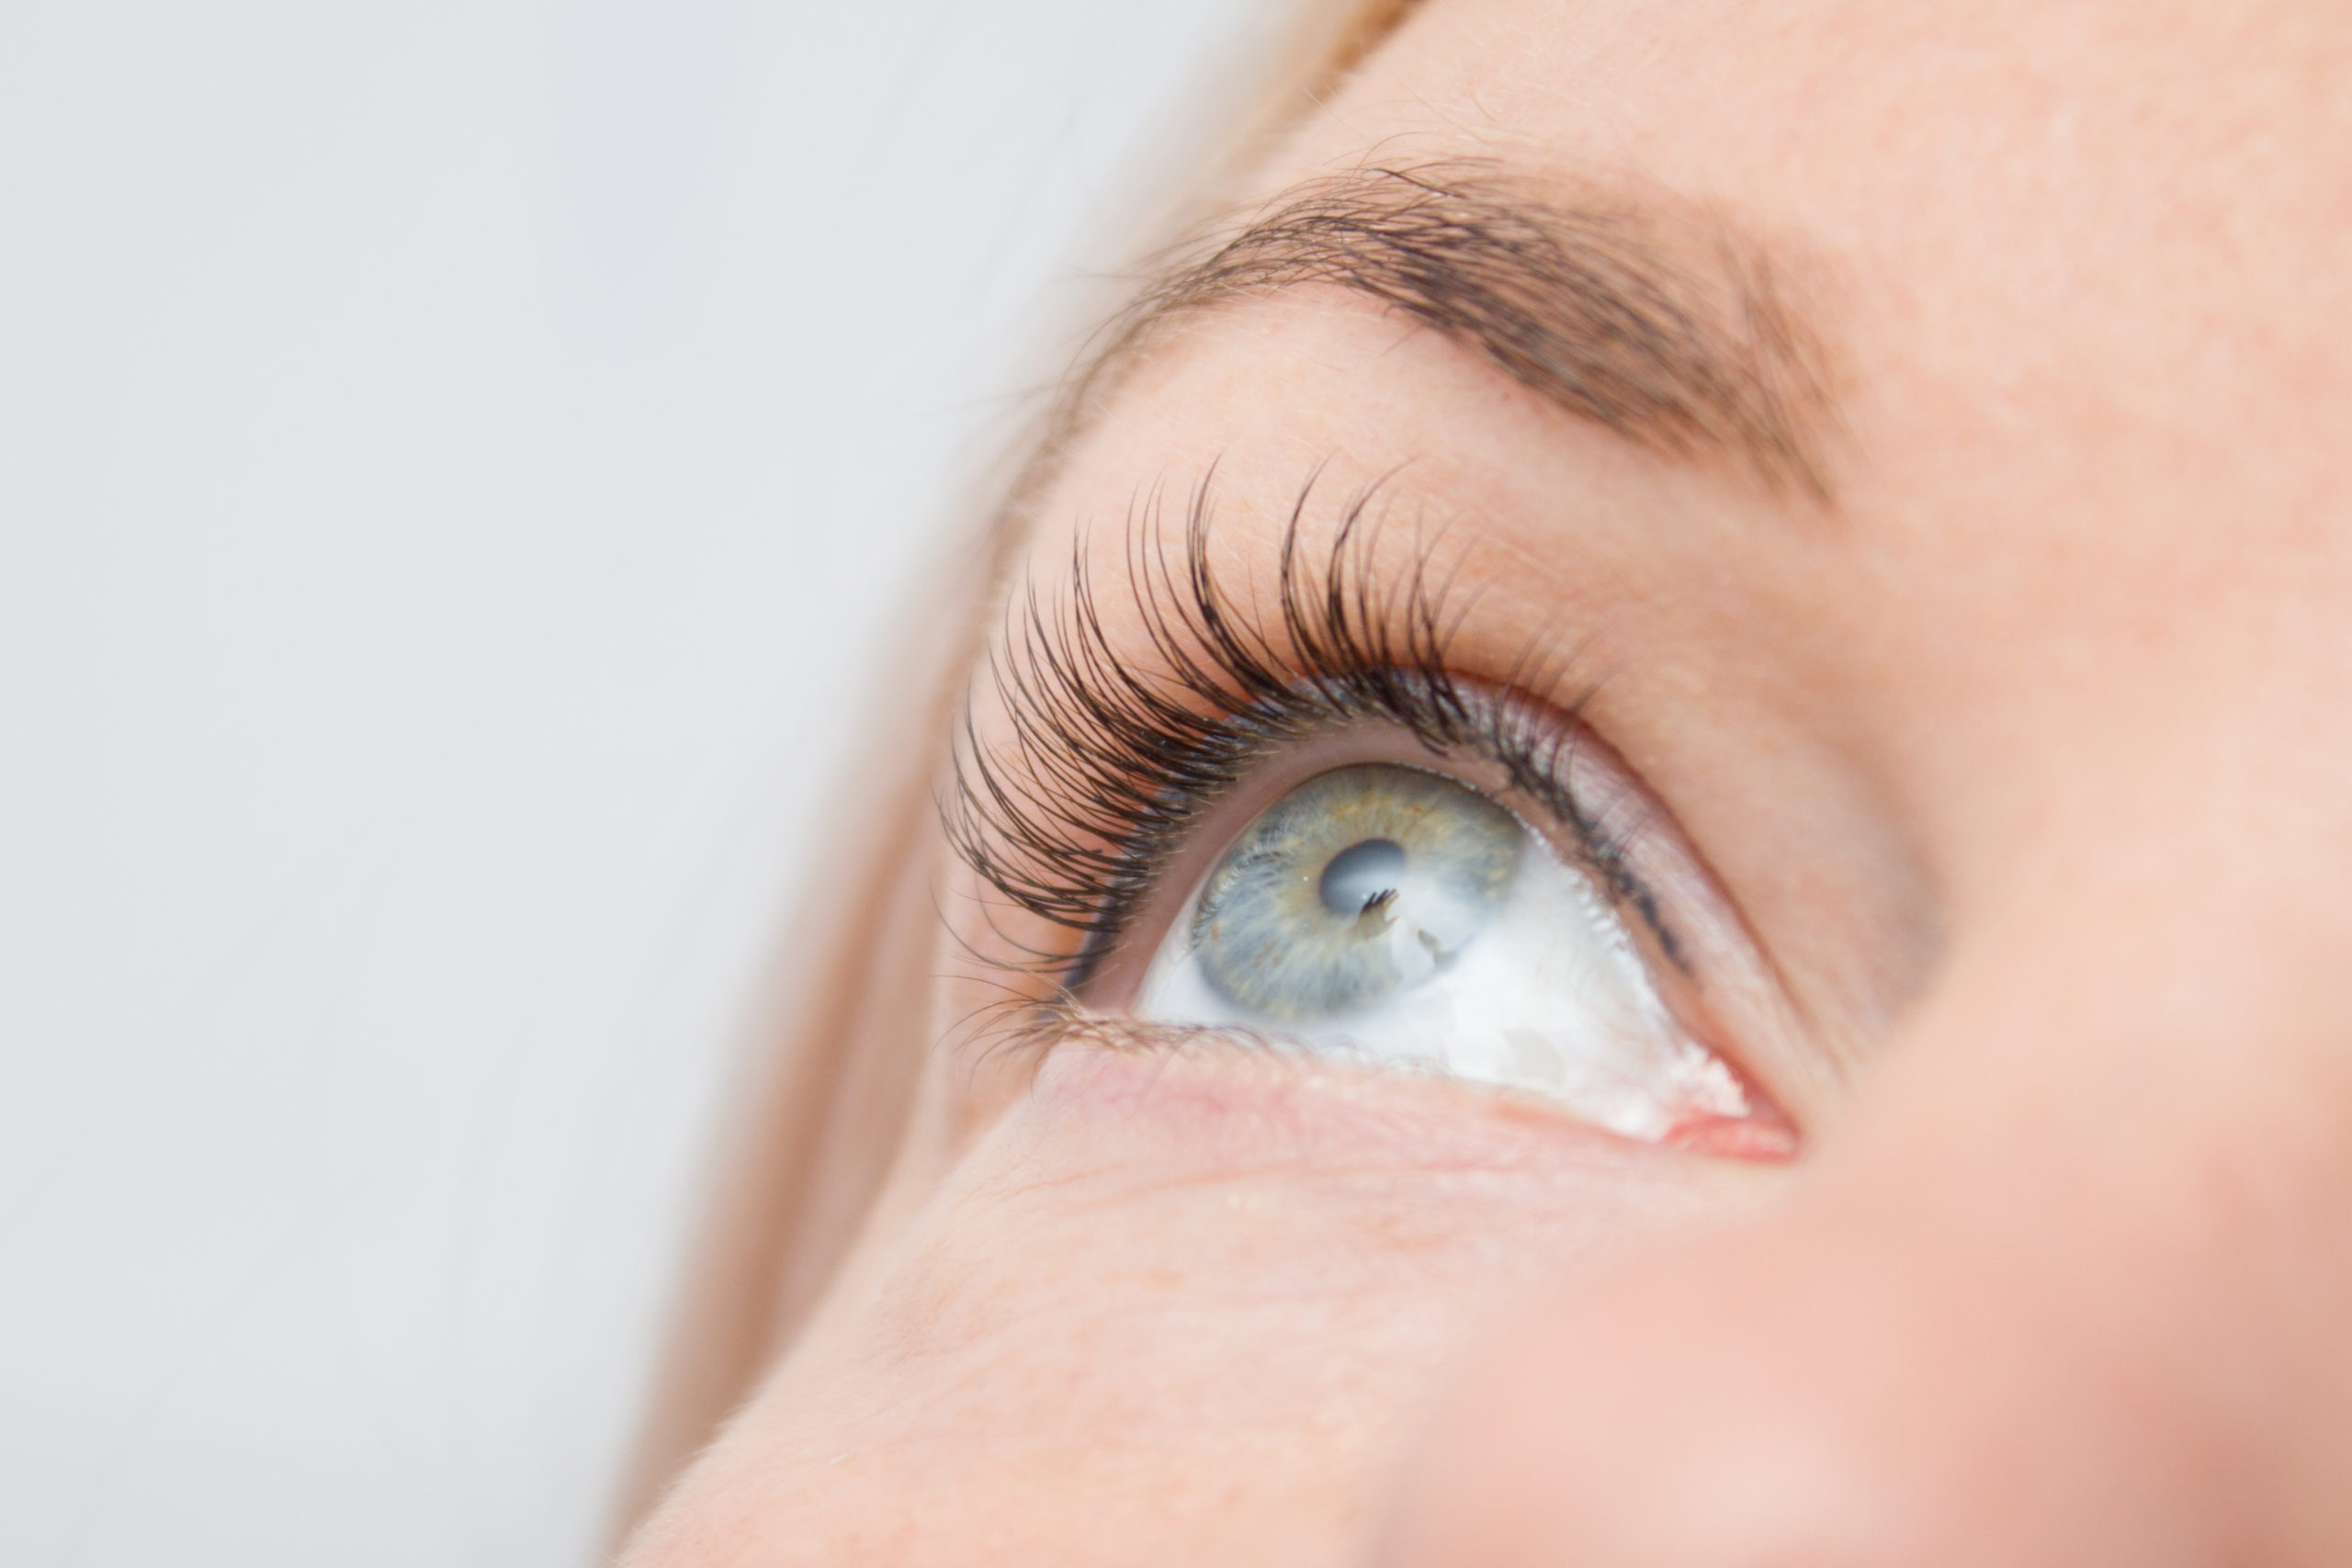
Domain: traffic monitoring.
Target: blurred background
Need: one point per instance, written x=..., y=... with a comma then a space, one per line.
x=458, y=460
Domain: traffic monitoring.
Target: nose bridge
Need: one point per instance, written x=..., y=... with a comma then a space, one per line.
x=2173, y=718
x=2076, y=1284
x=2083, y=1272
x=2152, y=981
x=2159, y=906
x=2072, y=1286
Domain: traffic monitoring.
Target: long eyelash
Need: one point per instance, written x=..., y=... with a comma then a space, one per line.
x=1106, y=761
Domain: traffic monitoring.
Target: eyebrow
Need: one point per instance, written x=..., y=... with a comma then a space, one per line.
x=1665, y=325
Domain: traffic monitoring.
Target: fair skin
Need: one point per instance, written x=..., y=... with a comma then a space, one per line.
x=1998, y=718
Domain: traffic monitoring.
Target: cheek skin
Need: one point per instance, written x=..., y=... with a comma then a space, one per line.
x=1172, y=1308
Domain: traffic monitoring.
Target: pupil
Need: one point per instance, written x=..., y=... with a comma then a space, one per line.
x=1361, y=875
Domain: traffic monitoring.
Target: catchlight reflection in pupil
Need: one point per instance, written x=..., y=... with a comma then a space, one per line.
x=1364, y=876
x=1392, y=913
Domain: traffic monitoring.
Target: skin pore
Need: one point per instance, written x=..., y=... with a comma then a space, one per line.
x=1990, y=706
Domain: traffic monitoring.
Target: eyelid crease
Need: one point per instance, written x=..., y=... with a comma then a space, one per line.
x=1074, y=813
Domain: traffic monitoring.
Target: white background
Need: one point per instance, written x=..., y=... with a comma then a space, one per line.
x=456, y=460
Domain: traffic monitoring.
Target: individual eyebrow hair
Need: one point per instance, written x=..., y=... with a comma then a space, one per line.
x=1662, y=323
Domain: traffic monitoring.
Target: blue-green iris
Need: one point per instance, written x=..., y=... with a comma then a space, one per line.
x=1356, y=885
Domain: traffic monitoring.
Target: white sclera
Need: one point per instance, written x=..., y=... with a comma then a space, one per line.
x=1549, y=996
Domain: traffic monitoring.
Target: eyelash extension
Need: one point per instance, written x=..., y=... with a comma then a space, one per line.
x=1105, y=765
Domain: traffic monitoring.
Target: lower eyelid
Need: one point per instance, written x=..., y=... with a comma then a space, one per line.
x=1089, y=1065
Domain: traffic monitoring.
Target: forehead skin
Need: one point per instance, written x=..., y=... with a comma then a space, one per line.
x=2028, y=754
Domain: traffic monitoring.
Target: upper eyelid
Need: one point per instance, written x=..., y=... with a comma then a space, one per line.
x=1104, y=759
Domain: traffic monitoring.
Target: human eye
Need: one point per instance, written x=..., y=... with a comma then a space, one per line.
x=1305, y=828
x=1393, y=913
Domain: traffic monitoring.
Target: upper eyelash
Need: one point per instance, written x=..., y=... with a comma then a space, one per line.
x=1103, y=766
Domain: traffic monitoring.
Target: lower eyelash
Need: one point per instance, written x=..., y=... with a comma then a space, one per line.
x=1103, y=765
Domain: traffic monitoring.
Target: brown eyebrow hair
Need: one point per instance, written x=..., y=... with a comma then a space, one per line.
x=1663, y=324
